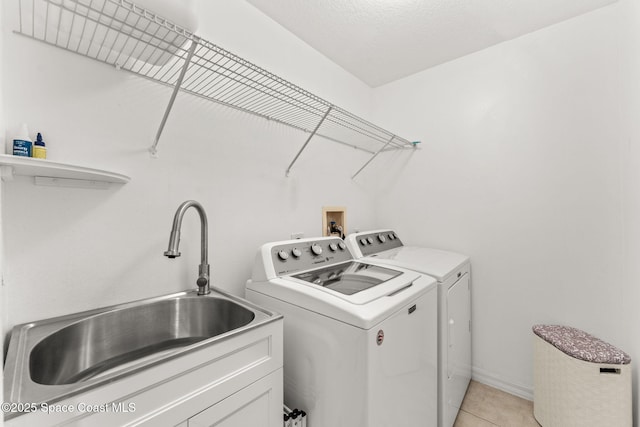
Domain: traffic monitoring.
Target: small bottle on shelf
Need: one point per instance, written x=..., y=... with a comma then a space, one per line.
x=39, y=149
x=22, y=144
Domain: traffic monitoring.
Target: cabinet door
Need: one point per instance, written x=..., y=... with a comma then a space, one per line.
x=257, y=405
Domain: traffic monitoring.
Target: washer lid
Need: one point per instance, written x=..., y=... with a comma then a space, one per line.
x=434, y=262
x=349, y=278
x=363, y=309
x=356, y=282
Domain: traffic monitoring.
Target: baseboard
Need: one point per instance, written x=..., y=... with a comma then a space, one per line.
x=490, y=379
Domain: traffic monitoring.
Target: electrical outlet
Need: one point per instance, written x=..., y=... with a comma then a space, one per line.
x=298, y=235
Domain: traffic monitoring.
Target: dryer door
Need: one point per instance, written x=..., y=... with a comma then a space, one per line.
x=458, y=346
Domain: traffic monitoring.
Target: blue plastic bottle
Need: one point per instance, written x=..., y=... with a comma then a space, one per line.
x=22, y=145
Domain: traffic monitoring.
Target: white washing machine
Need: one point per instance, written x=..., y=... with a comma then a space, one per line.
x=452, y=271
x=360, y=339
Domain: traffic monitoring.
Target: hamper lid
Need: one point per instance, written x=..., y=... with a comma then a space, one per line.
x=581, y=345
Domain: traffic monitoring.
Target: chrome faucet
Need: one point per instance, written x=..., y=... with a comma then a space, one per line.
x=174, y=243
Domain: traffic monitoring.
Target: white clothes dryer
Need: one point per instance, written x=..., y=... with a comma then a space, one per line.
x=360, y=339
x=452, y=271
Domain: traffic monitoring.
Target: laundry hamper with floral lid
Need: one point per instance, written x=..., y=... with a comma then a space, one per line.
x=579, y=380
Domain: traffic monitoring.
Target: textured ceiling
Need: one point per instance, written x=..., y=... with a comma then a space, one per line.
x=379, y=41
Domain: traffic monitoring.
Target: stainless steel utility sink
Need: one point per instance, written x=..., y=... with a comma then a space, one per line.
x=55, y=358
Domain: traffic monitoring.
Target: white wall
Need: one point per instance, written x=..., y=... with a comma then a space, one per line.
x=520, y=168
x=73, y=249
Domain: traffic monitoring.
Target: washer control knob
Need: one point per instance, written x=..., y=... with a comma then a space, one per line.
x=296, y=252
x=392, y=236
x=370, y=240
x=283, y=255
x=342, y=246
x=381, y=238
x=316, y=249
x=333, y=247
x=363, y=242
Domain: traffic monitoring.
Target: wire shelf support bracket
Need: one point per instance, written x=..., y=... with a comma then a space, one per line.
x=307, y=141
x=154, y=148
x=373, y=157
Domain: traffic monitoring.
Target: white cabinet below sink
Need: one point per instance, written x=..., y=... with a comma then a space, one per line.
x=251, y=406
x=235, y=382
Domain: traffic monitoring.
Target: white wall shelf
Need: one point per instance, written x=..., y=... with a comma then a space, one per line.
x=46, y=172
x=123, y=35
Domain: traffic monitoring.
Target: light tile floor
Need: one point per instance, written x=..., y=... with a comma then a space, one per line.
x=485, y=406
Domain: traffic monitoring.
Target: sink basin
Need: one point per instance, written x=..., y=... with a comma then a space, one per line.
x=97, y=344
x=55, y=358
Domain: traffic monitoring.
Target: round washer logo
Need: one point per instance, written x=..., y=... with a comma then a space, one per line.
x=380, y=337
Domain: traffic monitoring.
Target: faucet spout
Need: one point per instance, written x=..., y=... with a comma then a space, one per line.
x=173, y=250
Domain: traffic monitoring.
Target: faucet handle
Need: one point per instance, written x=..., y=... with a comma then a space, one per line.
x=203, y=284
x=202, y=281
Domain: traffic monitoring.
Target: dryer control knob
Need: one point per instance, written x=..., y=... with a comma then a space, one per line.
x=392, y=236
x=283, y=255
x=333, y=247
x=296, y=253
x=316, y=249
x=370, y=240
x=381, y=238
x=342, y=246
x=363, y=242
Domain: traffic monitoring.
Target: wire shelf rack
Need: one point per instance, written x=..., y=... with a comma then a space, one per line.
x=128, y=37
